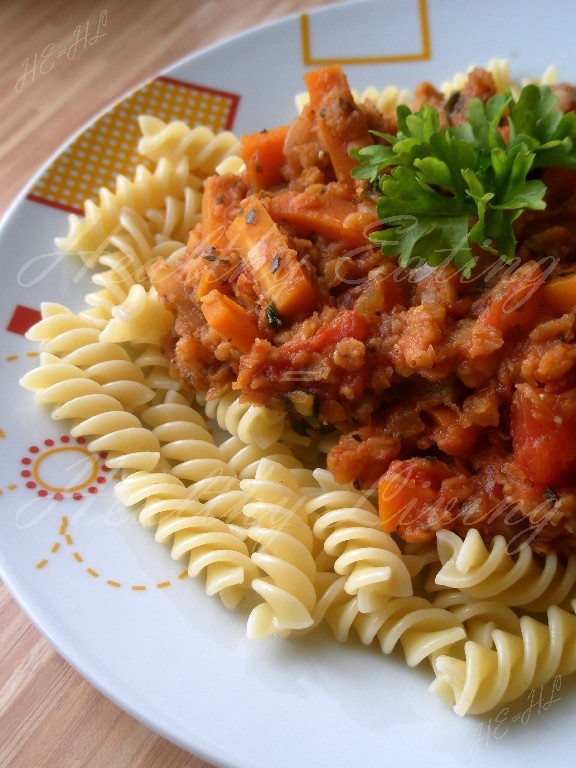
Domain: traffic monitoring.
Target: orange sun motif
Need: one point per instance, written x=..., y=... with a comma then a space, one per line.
x=64, y=468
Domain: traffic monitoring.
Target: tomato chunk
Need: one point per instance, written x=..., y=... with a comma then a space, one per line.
x=417, y=497
x=543, y=429
x=347, y=324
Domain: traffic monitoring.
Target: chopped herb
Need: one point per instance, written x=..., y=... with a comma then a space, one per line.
x=298, y=425
x=251, y=216
x=275, y=263
x=220, y=199
x=216, y=258
x=273, y=316
x=444, y=189
x=356, y=437
x=210, y=249
x=304, y=405
x=453, y=101
x=550, y=495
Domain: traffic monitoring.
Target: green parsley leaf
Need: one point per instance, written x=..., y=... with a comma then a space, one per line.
x=273, y=318
x=443, y=189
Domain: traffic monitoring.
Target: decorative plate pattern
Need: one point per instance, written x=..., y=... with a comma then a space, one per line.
x=92, y=578
x=106, y=149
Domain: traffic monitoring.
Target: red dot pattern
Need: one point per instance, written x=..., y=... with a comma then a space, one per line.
x=35, y=450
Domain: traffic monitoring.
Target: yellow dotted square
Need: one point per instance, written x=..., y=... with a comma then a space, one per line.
x=108, y=147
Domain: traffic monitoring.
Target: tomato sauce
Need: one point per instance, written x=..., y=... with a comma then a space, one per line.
x=454, y=396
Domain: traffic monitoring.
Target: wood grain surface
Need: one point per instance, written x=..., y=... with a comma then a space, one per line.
x=49, y=715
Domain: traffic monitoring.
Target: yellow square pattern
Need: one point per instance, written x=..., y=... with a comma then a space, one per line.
x=415, y=50
x=108, y=147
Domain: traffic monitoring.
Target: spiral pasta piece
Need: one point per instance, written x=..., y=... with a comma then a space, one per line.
x=488, y=677
x=136, y=243
x=61, y=330
x=284, y=552
x=187, y=447
x=162, y=492
x=231, y=164
x=90, y=236
x=334, y=605
x=517, y=580
x=143, y=237
x=156, y=368
x=140, y=317
x=206, y=543
x=134, y=239
x=224, y=500
x=203, y=149
x=75, y=340
x=119, y=377
x=480, y=617
x=94, y=413
x=244, y=459
x=254, y=425
x=210, y=546
x=113, y=284
x=173, y=222
x=422, y=629
x=137, y=487
x=369, y=558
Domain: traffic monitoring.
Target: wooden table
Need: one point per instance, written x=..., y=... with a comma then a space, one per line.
x=49, y=715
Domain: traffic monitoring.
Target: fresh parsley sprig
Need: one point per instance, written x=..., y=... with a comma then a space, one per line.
x=443, y=189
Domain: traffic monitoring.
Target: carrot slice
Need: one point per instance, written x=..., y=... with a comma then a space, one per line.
x=230, y=320
x=560, y=293
x=263, y=155
x=400, y=497
x=341, y=123
x=322, y=214
x=412, y=498
x=221, y=202
x=273, y=264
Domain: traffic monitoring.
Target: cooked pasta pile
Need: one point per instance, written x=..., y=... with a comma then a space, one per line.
x=243, y=500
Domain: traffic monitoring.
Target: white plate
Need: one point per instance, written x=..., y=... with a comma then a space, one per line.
x=96, y=583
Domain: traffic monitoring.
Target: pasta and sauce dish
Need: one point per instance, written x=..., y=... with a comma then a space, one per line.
x=335, y=361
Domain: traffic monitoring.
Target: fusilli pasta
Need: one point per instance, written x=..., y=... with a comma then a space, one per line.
x=488, y=677
x=521, y=579
x=90, y=236
x=207, y=544
x=235, y=499
x=348, y=525
x=253, y=425
x=284, y=554
x=203, y=149
x=94, y=413
x=187, y=447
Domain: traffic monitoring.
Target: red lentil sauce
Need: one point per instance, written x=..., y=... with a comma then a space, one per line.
x=455, y=397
